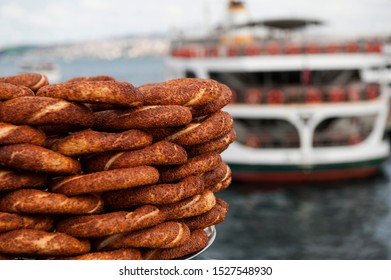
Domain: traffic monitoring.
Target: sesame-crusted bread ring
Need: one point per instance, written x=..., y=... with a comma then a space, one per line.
x=189, y=207
x=197, y=241
x=37, y=159
x=204, y=130
x=164, y=235
x=34, y=81
x=9, y=91
x=41, y=202
x=154, y=194
x=11, y=179
x=159, y=153
x=14, y=134
x=12, y=221
x=103, y=181
x=38, y=242
x=218, y=144
x=120, y=254
x=220, y=186
x=214, y=216
x=89, y=141
x=194, y=166
x=217, y=175
x=111, y=223
x=142, y=117
x=215, y=105
x=107, y=92
x=182, y=91
x=39, y=110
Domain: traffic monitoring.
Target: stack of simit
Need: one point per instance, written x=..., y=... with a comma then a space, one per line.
x=95, y=168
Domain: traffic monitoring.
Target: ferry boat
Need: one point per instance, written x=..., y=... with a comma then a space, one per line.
x=304, y=108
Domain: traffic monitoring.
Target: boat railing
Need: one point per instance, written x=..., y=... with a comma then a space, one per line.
x=194, y=50
x=354, y=92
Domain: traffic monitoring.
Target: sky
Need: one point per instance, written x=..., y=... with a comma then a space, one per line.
x=61, y=21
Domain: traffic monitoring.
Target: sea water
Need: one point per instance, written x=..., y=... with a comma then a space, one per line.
x=343, y=220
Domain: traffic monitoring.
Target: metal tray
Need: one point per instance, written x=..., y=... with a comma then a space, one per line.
x=211, y=231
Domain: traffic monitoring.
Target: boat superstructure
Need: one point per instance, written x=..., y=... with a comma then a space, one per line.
x=304, y=109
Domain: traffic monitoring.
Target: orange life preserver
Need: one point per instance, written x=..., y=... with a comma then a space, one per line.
x=275, y=96
x=312, y=48
x=273, y=48
x=352, y=47
x=372, y=91
x=333, y=48
x=336, y=94
x=252, y=50
x=233, y=51
x=253, y=96
x=313, y=95
x=373, y=47
x=291, y=48
x=184, y=52
x=212, y=51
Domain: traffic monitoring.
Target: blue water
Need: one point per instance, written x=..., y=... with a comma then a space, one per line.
x=137, y=71
x=345, y=220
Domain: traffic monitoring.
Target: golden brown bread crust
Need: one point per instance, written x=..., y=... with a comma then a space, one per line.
x=39, y=110
x=12, y=221
x=9, y=91
x=89, y=141
x=41, y=202
x=13, y=134
x=154, y=194
x=37, y=159
x=38, y=242
x=219, y=145
x=91, y=78
x=142, y=117
x=214, y=216
x=34, y=81
x=111, y=223
x=107, y=92
x=12, y=179
x=217, y=175
x=211, y=127
x=215, y=105
x=182, y=91
x=220, y=186
x=102, y=181
x=197, y=241
x=189, y=207
x=160, y=153
x=163, y=235
x=120, y=254
x=194, y=166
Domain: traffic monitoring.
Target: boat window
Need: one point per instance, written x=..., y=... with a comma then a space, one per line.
x=343, y=131
x=190, y=74
x=266, y=133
